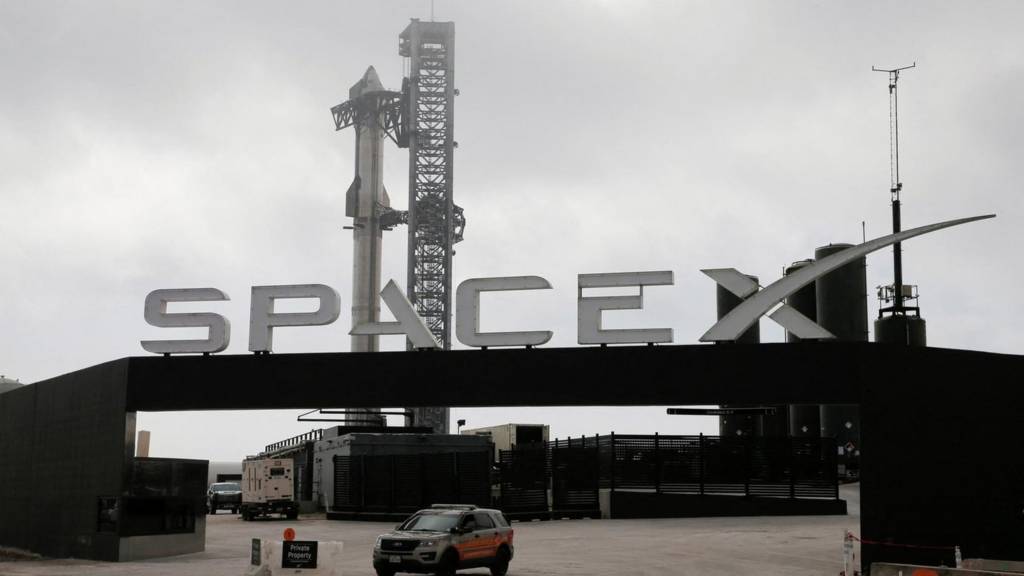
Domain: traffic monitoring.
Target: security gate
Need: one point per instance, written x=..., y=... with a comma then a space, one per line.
x=575, y=477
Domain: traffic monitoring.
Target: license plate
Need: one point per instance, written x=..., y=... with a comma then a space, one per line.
x=395, y=559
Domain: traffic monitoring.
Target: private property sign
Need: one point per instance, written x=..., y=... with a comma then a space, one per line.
x=270, y=556
x=757, y=302
x=298, y=554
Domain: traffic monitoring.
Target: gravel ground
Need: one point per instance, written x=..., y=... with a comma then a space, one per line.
x=790, y=546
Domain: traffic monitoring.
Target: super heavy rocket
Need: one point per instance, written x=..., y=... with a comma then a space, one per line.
x=364, y=202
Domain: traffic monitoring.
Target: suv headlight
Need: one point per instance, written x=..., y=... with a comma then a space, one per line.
x=376, y=545
x=428, y=543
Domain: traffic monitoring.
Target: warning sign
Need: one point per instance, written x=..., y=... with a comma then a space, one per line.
x=298, y=554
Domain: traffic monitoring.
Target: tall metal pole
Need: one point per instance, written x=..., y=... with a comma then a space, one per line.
x=895, y=184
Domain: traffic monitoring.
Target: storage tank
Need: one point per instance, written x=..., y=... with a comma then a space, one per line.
x=804, y=419
x=842, y=304
x=747, y=424
x=8, y=384
x=842, y=297
x=901, y=329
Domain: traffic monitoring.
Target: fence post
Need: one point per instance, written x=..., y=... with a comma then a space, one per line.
x=394, y=477
x=455, y=475
x=747, y=445
x=791, y=454
x=502, y=479
x=700, y=461
x=611, y=467
x=362, y=482
x=424, y=497
x=834, y=450
x=657, y=465
x=551, y=465
x=334, y=484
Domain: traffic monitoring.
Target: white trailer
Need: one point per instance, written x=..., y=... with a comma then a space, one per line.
x=505, y=436
x=267, y=488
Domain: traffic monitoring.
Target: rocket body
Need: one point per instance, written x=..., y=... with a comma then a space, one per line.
x=363, y=201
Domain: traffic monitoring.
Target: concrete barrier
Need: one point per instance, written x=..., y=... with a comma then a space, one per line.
x=885, y=569
x=1010, y=566
x=267, y=559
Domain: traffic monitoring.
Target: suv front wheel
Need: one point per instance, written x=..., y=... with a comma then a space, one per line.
x=448, y=564
x=500, y=566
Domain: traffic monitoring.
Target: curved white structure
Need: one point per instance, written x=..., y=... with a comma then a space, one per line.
x=733, y=324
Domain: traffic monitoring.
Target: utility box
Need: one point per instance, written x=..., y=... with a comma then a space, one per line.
x=267, y=488
x=505, y=436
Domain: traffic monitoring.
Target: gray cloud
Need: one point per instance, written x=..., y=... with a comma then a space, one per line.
x=149, y=145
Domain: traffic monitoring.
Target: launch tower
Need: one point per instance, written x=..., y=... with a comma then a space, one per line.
x=435, y=222
x=420, y=118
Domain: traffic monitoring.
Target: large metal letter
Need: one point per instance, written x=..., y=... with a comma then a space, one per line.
x=786, y=316
x=589, y=325
x=467, y=320
x=750, y=310
x=156, y=314
x=408, y=322
x=263, y=319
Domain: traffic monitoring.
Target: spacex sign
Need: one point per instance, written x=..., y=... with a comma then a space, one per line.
x=757, y=302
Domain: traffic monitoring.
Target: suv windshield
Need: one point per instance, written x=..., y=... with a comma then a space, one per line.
x=226, y=487
x=431, y=522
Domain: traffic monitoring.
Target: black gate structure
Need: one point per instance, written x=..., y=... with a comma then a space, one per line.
x=524, y=475
x=774, y=467
x=642, y=473
x=390, y=486
x=575, y=478
x=938, y=467
x=672, y=476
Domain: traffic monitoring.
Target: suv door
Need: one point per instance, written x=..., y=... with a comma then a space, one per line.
x=488, y=532
x=470, y=544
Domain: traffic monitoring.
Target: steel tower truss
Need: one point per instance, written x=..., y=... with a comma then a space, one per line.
x=435, y=222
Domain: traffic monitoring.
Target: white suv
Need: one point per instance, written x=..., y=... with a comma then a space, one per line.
x=446, y=538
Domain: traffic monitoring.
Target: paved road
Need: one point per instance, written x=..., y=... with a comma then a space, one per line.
x=790, y=546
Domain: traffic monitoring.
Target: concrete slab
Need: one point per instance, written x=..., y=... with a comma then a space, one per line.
x=790, y=546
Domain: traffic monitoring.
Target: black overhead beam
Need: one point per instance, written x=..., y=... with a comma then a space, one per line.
x=941, y=429
x=794, y=373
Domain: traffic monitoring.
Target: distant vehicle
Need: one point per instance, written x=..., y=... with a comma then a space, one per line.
x=267, y=488
x=446, y=538
x=223, y=496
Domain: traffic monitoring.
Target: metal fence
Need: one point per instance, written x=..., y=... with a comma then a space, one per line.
x=565, y=476
x=779, y=467
x=561, y=476
x=406, y=483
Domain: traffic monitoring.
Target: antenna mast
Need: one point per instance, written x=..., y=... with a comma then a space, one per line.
x=895, y=184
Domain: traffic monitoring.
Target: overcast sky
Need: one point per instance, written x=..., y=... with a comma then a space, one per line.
x=149, y=145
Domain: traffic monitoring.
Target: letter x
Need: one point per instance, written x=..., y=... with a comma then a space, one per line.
x=757, y=303
x=786, y=316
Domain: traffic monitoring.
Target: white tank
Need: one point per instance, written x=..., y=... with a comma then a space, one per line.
x=7, y=384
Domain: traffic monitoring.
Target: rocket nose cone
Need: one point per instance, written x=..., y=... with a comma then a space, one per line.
x=371, y=81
